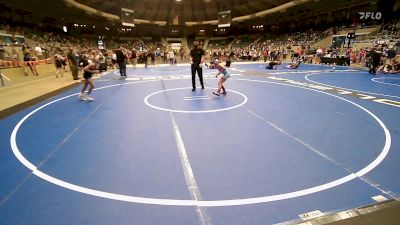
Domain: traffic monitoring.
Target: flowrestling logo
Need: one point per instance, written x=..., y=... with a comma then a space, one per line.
x=370, y=15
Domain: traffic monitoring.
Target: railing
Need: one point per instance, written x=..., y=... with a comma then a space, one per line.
x=16, y=63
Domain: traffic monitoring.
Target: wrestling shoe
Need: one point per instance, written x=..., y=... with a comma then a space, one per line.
x=82, y=97
x=89, y=98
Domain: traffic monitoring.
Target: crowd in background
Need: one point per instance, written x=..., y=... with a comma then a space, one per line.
x=55, y=46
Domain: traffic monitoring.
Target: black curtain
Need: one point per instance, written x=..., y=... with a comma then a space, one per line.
x=387, y=8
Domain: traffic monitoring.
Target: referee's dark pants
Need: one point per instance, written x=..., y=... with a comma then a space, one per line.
x=196, y=67
x=122, y=68
x=373, y=67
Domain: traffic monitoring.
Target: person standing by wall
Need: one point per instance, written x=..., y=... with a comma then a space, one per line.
x=197, y=59
x=158, y=56
x=134, y=57
x=171, y=57
x=121, y=61
x=73, y=62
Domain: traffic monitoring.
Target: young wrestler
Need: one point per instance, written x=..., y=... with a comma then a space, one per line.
x=272, y=65
x=294, y=65
x=89, y=70
x=58, y=62
x=221, y=70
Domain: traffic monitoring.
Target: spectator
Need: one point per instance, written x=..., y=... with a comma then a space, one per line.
x=39, y=52
x=391, y=54
x=73, y=63
x=134, y=57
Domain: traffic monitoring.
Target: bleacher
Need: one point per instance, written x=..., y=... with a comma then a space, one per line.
x=219, y=43
x=244, y=41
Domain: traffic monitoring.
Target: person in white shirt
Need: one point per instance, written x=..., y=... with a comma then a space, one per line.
x=38, y=51
x=171, y=57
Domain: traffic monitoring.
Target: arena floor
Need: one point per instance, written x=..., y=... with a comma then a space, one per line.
x=148, y=150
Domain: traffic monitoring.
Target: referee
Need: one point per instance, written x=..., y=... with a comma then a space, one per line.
x=197, y=59
x=121, y=60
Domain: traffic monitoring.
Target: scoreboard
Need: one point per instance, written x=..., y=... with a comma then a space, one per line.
x=127, y=17
x=100, y=43
x=224, y=18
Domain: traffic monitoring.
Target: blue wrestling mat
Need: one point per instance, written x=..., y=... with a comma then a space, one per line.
x=150, y=151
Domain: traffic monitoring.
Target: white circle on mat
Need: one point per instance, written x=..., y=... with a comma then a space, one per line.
x=203, y=203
